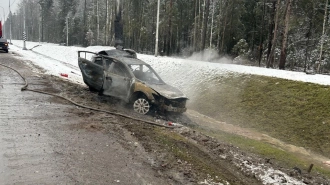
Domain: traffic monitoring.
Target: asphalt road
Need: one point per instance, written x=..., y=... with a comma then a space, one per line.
x=41, y=141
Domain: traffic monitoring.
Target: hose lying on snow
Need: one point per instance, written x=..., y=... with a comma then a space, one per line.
x=25, y=88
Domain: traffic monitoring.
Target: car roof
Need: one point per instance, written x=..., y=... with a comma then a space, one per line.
x=131, y=61
x=118, y=53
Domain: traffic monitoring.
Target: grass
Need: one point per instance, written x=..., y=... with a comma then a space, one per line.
x=295, y=112
x=268, y=151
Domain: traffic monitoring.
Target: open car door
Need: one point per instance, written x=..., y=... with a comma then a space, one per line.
x=118, y=81
x=92, y=72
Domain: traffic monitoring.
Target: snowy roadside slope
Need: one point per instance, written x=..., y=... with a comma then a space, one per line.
x=53, y=58
x=182, y=73
x=206, y=69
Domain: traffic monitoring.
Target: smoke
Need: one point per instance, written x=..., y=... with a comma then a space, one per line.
x=210, y=55
x=204, y=82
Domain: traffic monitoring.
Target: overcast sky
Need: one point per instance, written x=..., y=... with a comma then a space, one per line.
x=5, y=5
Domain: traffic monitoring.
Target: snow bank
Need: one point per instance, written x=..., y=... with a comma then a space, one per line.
x=55, y=58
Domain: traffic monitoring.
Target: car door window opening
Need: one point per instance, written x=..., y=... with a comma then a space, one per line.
x=145, y=73
x=119, y=69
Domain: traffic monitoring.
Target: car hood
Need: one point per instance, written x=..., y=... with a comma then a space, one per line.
x=167, y=91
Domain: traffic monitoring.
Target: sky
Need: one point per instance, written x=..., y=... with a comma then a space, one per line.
x=5, y=5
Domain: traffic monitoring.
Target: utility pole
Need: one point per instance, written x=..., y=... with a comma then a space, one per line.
x=40, y=22
x=24, y=32
x=67, y=30
x=157, y=30
x=98, y=23
x=10, y=23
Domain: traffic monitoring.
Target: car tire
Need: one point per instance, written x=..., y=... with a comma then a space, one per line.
x=6, y=50
x=92, y=89
x=142, y=105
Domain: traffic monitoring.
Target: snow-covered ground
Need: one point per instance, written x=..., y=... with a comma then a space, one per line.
x=182, y=73
x=56, y=59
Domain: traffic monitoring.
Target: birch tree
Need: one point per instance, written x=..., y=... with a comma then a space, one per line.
x=285, y=35
x=323, y=36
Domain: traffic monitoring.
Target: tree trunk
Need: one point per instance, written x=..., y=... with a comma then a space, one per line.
x=199, y=25
x=285, y=35
x=205, y=21
x=261, y=48
x=211, y=32
x=309, y=34
x=219, y=30
x=106, y=31
x=271, y=30
x=224, y=28
x=195, y=26
x=323, y=32
x=169, y=31
x=272, y=52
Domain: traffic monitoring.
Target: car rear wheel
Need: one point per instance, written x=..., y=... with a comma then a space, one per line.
x=141, y=105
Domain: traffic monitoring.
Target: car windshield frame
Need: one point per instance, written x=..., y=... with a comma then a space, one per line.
x=146, y=73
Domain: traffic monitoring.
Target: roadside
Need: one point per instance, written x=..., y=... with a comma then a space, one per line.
x=181, y=156
x=45, y=140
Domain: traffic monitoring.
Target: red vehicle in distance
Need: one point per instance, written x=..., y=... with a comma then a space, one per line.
x=3, y=41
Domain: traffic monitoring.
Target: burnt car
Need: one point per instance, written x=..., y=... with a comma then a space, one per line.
x=4, y=45
x=131, y=80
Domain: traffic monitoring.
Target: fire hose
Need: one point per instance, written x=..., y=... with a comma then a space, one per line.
x=25, y=88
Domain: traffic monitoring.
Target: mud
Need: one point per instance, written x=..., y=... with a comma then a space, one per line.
x=46, y=140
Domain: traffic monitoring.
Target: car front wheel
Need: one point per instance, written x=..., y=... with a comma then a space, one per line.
x=141, y=105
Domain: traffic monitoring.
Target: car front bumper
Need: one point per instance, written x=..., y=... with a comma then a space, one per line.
x=3, y=46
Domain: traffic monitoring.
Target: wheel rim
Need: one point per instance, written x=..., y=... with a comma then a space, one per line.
x=141, y=106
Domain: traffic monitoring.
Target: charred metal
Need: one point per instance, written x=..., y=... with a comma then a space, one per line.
x=120, y=74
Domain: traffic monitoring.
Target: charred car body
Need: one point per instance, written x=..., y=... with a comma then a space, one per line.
x=120, y=74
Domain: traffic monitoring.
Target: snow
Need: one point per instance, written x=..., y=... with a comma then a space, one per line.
x=269, y=175
x=182, y=73
x=56, y=59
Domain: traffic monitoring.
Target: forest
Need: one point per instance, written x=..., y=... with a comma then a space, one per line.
x=280, y=34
